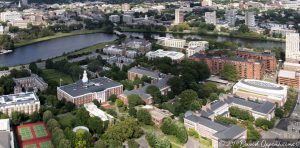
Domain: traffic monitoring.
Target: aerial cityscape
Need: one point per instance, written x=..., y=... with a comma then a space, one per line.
x=149, y=74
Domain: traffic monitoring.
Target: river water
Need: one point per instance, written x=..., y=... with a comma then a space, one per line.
x=56, y=47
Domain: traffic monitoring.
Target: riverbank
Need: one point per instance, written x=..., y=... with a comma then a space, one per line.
x=207, y=33
x=57, y=35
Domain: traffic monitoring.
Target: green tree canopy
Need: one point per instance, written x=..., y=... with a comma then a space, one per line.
x=144, y=116
x=230, y=73
x=134, y=100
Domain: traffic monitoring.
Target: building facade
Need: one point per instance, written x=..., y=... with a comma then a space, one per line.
x=34, y=81
x=169, y=42
x=174, y=55
x=85, y=91
x=230, y=17
x=247, y=68
x=179, y=16
x=27, y=103
x=268, y=58
x=261, y=91
x=250, y=18
x=210, y=17
x=292, y=53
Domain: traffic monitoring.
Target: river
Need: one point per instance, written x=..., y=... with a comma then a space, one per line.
x=56, y=47
x=52, y=48
x=241, y=41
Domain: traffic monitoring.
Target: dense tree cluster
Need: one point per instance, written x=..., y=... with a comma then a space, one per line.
x=230, y=73
x=6, y=42
x=171, y=127
x=134, y=100
x=124, y=130
x=156, y=142
x=240, y=114
x=264, y=123
x=144, y=116
x=225, y=120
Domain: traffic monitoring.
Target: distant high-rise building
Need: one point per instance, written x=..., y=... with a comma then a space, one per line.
x=127, y=19
x=24, y=2
x=179, y=16
x=114, y=18
x=292, y=52
x=206, y=3
x=125, y=7
x=250, y=18
x=230, y=16
x=210, y=18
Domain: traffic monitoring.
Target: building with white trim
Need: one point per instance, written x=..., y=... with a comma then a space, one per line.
x=27, y=103
x=96, y=112
x=170, y=42
x=261, y=91
x=6, y=134
x=85, y=90
x=174, y=55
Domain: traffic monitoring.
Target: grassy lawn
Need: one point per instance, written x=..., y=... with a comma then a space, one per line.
x=205, y=142
x=58, y=35
x=40, y=131
x=25, y=133
x=149, y=128
x=54, y=75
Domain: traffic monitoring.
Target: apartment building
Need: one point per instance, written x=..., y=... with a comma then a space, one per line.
x=174, y=55
x=290, y=78
x=170, y=42
x=27, y=103
x=267, y=58
x=157, y=115
x=140, y=45
x=85, y=90
x=247, y=68
x=210, y=17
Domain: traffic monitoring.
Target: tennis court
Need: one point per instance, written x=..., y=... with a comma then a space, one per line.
x=30, y=146
x=46, y=144
x=25, y=133
x=40, y=131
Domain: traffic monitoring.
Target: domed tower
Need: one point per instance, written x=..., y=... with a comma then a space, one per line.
x=85, y=79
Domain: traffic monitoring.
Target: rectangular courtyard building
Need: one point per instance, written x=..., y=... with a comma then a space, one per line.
x=85, y=91
x=22, y=102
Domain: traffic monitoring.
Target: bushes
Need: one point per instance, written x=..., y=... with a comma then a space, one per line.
x=240, y=114
x=144, y=116
x=224, y=120
x=171, y=127
x=193, y=133
x=134, y=100
x=156, y=142
x=264, y=123
x=252, y=133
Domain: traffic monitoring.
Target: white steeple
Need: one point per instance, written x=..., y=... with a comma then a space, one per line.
x=85, y=78
x=19, y=4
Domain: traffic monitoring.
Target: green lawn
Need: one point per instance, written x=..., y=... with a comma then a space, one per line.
x=205, y=142
x=46, y=144
x=25, y=133
x=30, y=146
x=54, y=75
x=40, y=131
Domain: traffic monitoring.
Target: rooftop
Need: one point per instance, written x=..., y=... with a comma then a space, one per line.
x=146, y=72
x=174, y=55
x=206, y=122
x=20, y=98
x=95, y=85
x=287, y=74
x=95, y=111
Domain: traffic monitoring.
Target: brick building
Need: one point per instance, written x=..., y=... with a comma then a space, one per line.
x=247, y=68
x=34, y=81
x=22, y=102
x=85, y=91
x=267, y=57
x=290, y=78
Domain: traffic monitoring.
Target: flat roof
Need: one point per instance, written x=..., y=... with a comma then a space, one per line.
x=206, y=122
x=287, y=74
x=95, y=85
x=18, y=98
x=145, y=71
x=174, y=55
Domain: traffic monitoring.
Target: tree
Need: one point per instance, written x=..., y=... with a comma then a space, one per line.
x=154, y=92
x=132, y=112
x=34, y=69
x=52, y=124
x=113, y=98
x=64, y=143
x=67, y=121
x=57, y=136
x=176, y=85
x=95, y=124
x=264, y=123
x=132, y=143
x=134, y=100
x=82, y=139
x=100, y=144
x=243, y=29
x=96, y=102
x=171, y=127
x=144, y=116
x=119, y=103
x=230, y=73
x=16, y=117
x=240, y=113
x=112, y=112
x=225, y=120
x=1, y=91
x=186, y=98
x=279, y=112
x=6, y=42
x=156, y=142
x=47, y=115
x=81, y=116
x=34, y=117
x=127, y=129
x=49, y=64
